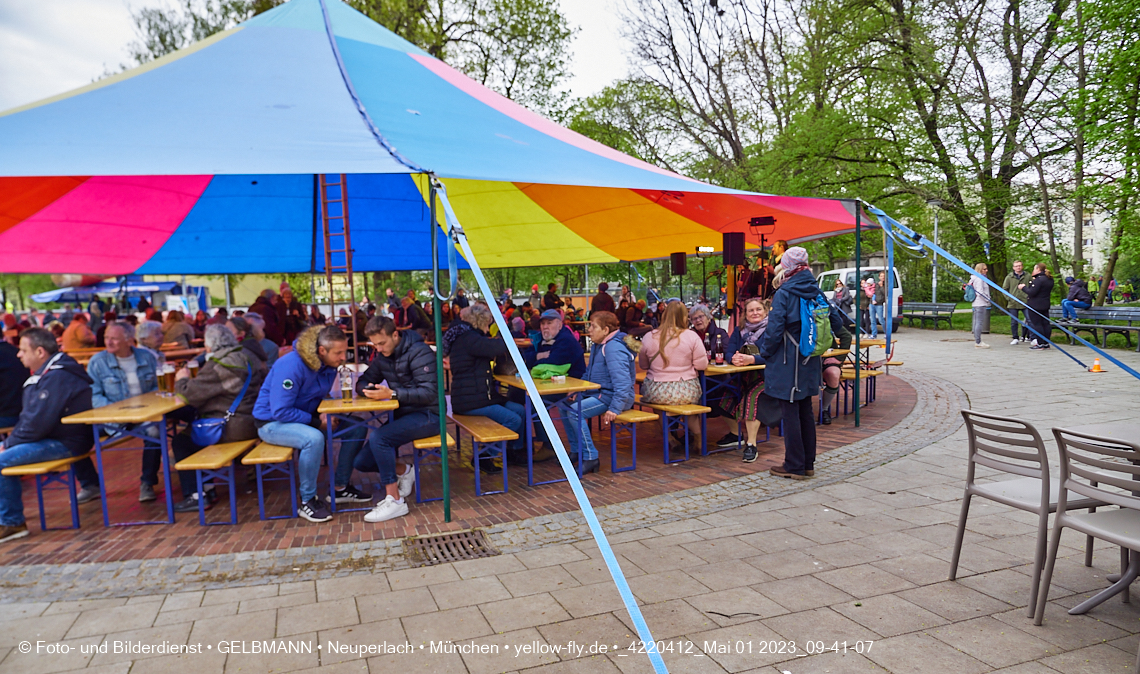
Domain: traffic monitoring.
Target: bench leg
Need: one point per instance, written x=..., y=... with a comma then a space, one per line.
x=492, y=450
x=617, y=428
x=669, y=423
x=225, y=475
x=289, y=470
x=417, y=454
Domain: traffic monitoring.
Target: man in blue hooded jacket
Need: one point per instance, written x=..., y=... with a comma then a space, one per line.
x=286, y=408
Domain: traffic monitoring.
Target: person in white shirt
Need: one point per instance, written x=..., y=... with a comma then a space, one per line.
x=981, y=302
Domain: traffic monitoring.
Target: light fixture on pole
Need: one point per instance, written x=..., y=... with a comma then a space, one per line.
x=936, y=204
x=703, y=253
x=762, y=226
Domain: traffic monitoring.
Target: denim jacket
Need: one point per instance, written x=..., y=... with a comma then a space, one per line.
x=110, y=382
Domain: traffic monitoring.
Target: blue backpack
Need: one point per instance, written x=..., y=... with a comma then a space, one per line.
x=815, y=326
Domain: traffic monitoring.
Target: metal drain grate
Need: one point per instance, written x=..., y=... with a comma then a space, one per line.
x=444, y=548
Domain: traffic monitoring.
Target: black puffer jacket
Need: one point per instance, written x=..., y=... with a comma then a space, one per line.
x=61, y=388
x=13, y=374
x=1079, y=292
x=472, y=385
x=1039, y=291
x=410, y=372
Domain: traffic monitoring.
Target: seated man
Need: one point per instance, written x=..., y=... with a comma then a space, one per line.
x=842, y=328
x=120, y=372
x=558, y=346
x=78, y=335
x=286, y=408
x=57, y=388
x=407, y=365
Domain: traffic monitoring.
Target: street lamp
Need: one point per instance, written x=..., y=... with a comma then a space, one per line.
x=936, y=204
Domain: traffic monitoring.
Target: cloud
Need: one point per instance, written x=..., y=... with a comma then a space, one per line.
x=51, y=46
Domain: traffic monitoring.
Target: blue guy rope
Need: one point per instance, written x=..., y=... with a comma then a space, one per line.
x=907, y=235
x=460, y=239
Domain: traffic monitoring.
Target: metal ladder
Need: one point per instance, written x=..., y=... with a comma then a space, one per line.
x=338, y=246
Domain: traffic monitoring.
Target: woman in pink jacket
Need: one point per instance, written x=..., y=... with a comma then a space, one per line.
x=672, y=354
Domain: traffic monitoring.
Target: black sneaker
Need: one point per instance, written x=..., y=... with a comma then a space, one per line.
x=826, y=418
x=750, y=453
x=315, y=511
x=729, y=440
x=351, y=494
x=190, y=504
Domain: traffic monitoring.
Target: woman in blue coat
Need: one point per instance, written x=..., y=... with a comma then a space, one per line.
x=788, y=376
x=612, y=366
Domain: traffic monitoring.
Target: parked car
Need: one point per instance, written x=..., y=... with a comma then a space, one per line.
x=894, y=308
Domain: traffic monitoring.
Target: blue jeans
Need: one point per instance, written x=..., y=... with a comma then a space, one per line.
x=311, y=443
x=11, y=493
x=386, y=440
x=876, y=318
x=592, y=406
x=1069, y=308
x=510, y=415
x=350, y=445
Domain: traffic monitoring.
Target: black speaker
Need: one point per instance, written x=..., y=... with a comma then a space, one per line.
x=733, y=248
x=679, y=264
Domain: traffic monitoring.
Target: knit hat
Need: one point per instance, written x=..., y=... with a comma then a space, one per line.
x=603, y=286
x=794, y=257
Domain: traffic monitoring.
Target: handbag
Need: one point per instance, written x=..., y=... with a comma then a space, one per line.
x=768, y=410
x=206, y=432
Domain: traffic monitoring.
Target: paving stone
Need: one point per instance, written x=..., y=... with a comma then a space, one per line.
x=488, y=566
x=603, y=628
x=316, y=617
x=381, y=631
x=889, y=615
x=357, y=585
x=669, y=619
x=954, y=601
x=1092, y=660
x=469, y=592
x=750, y=633
x=590, y=599
x=801, y=593
x=407, y=579
x=590, y=571
x=455, y=624
x=726, y=575
x=921, y=653
x=236, y=594
x=731, y=607
x=508, y=658
x=658, y=587
x=994, y=643
x=97, y=621
x=864, y=580
x=550, y=556
x=396, y=604
x=788, y=564
x=1067, y=632
x=545, y=579
x=174, y=634
x=509, y=615
x=44, y=627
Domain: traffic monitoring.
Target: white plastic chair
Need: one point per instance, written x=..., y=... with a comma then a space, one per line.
x=1013, y=446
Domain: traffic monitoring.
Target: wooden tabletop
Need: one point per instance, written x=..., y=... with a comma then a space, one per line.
x=175, y=354
x=360, y=404
x=864, y=343
x=836, y=353
x=548, y=387
x=713, y=370
x=147, y=407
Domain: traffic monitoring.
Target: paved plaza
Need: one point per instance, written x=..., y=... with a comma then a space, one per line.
x=726, y=573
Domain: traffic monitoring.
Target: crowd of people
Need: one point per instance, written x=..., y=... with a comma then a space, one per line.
x=275, y=399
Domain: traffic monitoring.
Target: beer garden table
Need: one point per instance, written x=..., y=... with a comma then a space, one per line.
x=132, y=417
x=548, y=387
x=342, y=412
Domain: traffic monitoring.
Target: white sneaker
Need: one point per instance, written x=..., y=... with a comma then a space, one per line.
x=387, y=509
x=1014, y=343
x=406, y=481
x=981, y=345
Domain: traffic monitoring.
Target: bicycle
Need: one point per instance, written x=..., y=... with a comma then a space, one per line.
x=1124, y=292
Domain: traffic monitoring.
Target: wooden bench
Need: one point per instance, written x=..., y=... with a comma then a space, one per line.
x=57, y=471
x=430, y=446
x=216, y=462
x=490, y=437
x=6, y=431
x=928, y=311
x=677, y=416
x=846, y=381
x=1099, y=328
x=627, y=422
x=270, y=459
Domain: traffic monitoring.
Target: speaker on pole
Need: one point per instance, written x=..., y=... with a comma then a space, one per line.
x=678, y=263
x=733, y=247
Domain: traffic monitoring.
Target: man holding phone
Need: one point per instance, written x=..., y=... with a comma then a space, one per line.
x=403, y=370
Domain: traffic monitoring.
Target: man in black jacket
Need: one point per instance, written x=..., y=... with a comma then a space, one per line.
x=58, y=387
x=406, y=365
x=1039, y=291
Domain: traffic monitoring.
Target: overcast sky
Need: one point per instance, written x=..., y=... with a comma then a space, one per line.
x=51, y=46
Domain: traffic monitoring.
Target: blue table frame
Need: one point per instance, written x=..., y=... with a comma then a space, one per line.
x=550, y=388
x=722, y=378
x=342, y=412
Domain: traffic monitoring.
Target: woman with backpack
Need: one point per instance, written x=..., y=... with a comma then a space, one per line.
x=789, y=375
x=977, y=292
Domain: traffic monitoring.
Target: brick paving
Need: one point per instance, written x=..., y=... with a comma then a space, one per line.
x=856, y=556
x=186, y=538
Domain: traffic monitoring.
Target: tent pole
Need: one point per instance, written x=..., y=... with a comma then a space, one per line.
x=437, y=313
x=229, y=296
x=858, y=314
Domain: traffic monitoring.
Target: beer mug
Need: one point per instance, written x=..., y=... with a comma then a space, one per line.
x=193, y=367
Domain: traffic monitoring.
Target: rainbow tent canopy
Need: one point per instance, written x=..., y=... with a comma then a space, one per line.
x=205, y=162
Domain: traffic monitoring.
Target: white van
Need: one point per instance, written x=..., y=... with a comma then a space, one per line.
x=827, y=285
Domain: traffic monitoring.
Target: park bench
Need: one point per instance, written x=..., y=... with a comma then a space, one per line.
x=928, y=311
x=270, y=459
x=216, y=462
x=677, y=417
x=58, y=471
x=430, y=446
x=1098, y=327
x=627, y=422
x=488, y=440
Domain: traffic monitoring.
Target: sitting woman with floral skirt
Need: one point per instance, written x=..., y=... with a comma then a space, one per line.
x=672, y=354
